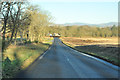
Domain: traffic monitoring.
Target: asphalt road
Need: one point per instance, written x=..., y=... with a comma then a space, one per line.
x=61, y=61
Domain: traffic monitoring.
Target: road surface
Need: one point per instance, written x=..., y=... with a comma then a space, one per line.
x=61, y=61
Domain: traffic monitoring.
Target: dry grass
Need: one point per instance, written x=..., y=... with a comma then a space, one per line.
x=19, y=57
x=106, y=48
x=90, y=41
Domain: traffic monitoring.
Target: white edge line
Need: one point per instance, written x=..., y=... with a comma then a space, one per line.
x=45, y=53
x=100, y=60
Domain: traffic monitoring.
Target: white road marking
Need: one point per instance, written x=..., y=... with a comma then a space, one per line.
x=45, y=53
x=41, y=57
x=100, y=60
x=74, y=67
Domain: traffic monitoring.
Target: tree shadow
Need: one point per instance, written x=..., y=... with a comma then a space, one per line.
x=22, y=73
x=13, y=69
x=10, y=67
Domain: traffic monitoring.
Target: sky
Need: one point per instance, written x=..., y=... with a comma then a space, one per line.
x=93, y=12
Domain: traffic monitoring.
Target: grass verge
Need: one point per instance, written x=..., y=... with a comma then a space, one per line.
x=19, y=57
x=106, y=52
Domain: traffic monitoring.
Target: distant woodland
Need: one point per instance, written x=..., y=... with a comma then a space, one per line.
x=84, y=31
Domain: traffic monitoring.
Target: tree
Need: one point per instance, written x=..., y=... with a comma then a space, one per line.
x=15, y=14
x=11, y=20
x=39, y=21
x=114, y=30
x=5, y=10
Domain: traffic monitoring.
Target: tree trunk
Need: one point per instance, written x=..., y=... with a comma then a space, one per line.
x=15, y=37
x=27, y=36
x=3, y=36
x=21, y=36
x=13, y=30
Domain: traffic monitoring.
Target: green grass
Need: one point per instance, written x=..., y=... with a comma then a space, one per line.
x=17, y=58
x=48, y=40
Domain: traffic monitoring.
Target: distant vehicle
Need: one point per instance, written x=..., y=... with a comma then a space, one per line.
x=56, y=35
x=50, y=35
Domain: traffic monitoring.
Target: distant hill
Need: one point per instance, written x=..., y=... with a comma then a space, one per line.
x=98, y=25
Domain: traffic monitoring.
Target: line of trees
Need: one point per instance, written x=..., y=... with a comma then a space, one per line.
x=85, y=31
x=19, y=19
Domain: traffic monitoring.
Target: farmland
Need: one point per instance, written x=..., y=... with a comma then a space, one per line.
x=105, y=48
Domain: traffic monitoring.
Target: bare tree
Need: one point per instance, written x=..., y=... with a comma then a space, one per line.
x=15, y=16
x=5, y=10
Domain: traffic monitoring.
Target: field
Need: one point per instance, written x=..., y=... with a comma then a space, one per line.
x=19, y=57
x=104, y=48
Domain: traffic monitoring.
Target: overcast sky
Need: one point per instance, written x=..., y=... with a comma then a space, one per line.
x=93, y=12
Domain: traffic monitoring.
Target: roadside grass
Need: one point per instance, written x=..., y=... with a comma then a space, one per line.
x=19, y=57
x=106, y=49
x=48, y=40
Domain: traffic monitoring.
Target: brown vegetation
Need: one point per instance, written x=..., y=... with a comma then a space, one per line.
x=105, y=48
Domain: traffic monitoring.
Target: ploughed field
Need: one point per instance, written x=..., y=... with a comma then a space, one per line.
x=104, y=48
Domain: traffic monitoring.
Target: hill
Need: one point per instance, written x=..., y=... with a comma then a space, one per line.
x=98, y=25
